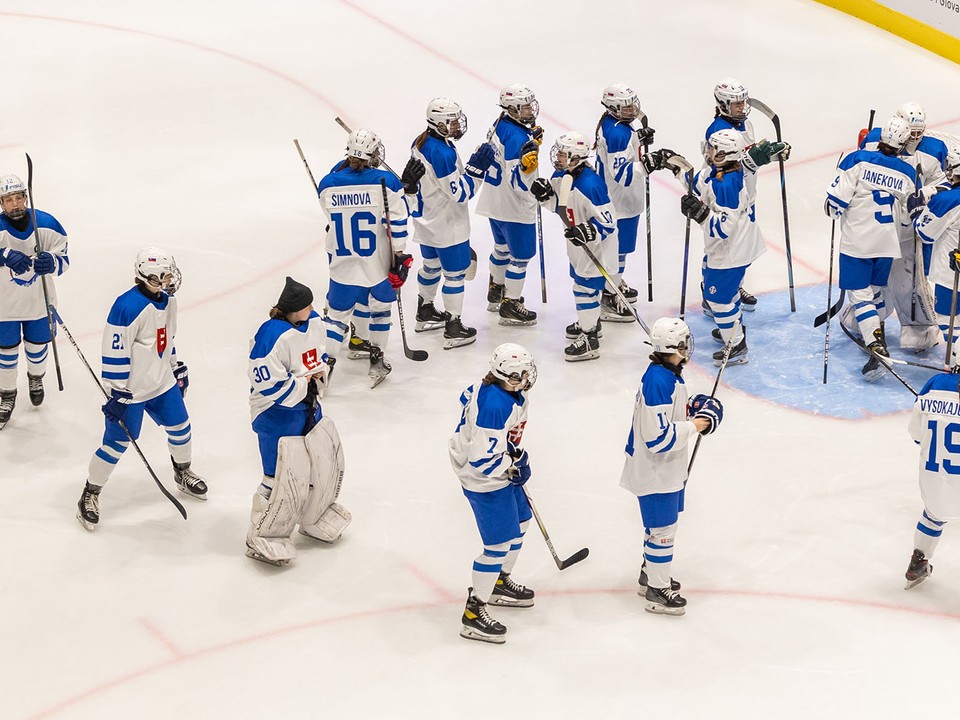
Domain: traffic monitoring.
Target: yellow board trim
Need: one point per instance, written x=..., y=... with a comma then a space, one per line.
x=936, y=41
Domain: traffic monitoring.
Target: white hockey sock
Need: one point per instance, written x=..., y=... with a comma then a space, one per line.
x=727, y=316
x=511, y=559
x=104, y=461
x=587, y=301
x=338, y=330
x=428, y=279
x=36, y=357
x=178, y=442
x=379, y=323
x=515, y=277
x=499, y=259
x=361, y=319
x=658, y=555
x=486, y=570
x=928, y=533
x=453, y=292
x=620, y=268
x=8, y=367
x=866, y=312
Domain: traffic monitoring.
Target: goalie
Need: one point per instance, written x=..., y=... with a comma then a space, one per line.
x=300, y=449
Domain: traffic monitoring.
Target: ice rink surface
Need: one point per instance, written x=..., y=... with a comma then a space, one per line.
x=172, y=124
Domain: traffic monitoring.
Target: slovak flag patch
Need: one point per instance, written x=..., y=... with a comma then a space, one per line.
x=310, y=359
x=161, y=340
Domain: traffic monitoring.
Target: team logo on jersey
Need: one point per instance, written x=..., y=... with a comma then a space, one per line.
x=516, y=433
x=161, y=340
x=311, y=359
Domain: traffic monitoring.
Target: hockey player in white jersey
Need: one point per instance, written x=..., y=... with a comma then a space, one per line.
x=591, y=222
x=142, y=374
x=23, y=314
x=505, y=199
x=871, y=197
x=367, y=259
x=299, y=447
x=492, y=467
x=441, y=218
x=665, y=426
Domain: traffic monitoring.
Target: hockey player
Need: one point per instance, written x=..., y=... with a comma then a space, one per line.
x=591, y=221
x=299, y=448
x=23, y=314
x=871, y=196
x=664, y=425
x=367, y=259
x=505, y=199
x=487, y=457
x=441, y=217
x=142, y=374
x=932, y=427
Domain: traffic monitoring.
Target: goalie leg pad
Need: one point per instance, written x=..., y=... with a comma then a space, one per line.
x=273, y=518
x=330, y=525
x=326, y=475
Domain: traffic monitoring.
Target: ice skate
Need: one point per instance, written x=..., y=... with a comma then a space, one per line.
x=513, y=312
x=674, y=585
x=738, y=355
x=88, y=509
x=478, y=625
x=707, y=312
x=715, y=334
x=918, y=570
x=379, y=367
x=629, y=293
x=873, y=368
x=508, y=593
x=428, y=317
x=612, y=309
x=252, y=553
x=574, y=330
x=585, y=347
x=747, y=301
x=35, y=386
x=8, y=399
x=664, y=601
x=357, y=347
x=456, y=334
x=188, y=482
x=494, y=295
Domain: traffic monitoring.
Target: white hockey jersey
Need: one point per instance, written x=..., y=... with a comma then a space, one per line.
x=21, y=296
x=656, y=451
x=588, y=203
x=491, y=416
x=138, y=345
x=731, y=236
x=930, y=154
x=506, y=188
x=358, y=246
x=618, y=163
x=281, y=357
x=935, y=426
x=441, y=214
x=939, y=226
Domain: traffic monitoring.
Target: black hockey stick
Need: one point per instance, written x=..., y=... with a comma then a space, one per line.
x=775, y=119
x=561, y=564
x=916, y=253
x=716, y=383
x=415, y=355
x=948, y=358
x=830, y=311
x=646, y=196
x=686, y=252
x=43, y=278
x=303, y=157
x=543, y=269
x=886, y=366
x=123, y=426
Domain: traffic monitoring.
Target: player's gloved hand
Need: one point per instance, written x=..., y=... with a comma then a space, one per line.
x=520, y=472
x=580, y=234
x=709, y=408
x=480, y=161
x=44, y=264
x=116, y=407
x=16, y=261
x=656, y=160
x=762, y=153
x=182, y=378
x=915, y=203
x=536, y=132
x=645, y=134
x=529, y=156
x=399, y=270
x=541, y=189
x=785, y=153
x=692, y=207
x=831, y=210
x=954, y=256
x=410, y=178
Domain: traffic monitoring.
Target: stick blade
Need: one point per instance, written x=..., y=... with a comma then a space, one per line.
x=575, y=558
x=416, y=355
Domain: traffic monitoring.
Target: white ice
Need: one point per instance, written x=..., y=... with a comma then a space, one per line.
x=172, y=123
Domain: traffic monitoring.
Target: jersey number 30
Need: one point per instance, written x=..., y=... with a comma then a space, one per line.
x=948, y=445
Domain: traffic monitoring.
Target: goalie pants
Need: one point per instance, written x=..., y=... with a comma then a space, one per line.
x=278, y=422
x=502, y=519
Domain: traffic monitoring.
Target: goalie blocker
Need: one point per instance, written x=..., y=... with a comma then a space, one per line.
x=307, y=483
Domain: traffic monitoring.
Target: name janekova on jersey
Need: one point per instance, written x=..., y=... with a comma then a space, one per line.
x=878, y=178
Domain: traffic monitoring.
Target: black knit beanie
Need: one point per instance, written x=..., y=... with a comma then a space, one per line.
x=295, y=296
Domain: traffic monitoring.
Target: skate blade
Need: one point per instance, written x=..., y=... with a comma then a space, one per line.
x=739, y=360
x=502, y=601
x=251, y=553
x=614, y=317
x=428, y=326
x=658, y=609
x=374, y=381
x=913, y=583
x=190, y=493
x=86, y=524
x=747, y=308
x=592, y=355
x=451, y=343
x=471, y=634
x=509, y=322
x=873, y=375
x=358, y=355
x=493, y=307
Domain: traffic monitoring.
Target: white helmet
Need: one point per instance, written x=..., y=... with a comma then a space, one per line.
x=365, y=145
x=952, y=165
x=11, y=185
x=570, y=151
x=729, y=91
x=619, y=97
x=446, y=118
x=915, y=117
x=671, y=335
x=513, y=362
x=895, y=133
x=157, y=268
x=728, y=147
x=514, y=98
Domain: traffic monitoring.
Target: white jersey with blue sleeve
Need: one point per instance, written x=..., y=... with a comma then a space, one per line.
x=744, y=127
x=656, y=451
x=731, y=236
x=491, y=417
x=939, y=227
x=282, y=356
x=357, y=243
x=930, y=154
x=138, y=345
x=935, y=426
x=618, y=163
x=441, y=214
x=21, y=296
x=869, y=193
x=589, y=203
x=506, y=194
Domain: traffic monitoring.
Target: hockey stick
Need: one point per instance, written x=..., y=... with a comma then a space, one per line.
x=830, y=312
x=561, y=564
x=948, y=359
x=415, y=355
x=646, y=196
x=543, y=269
x=686, y=252
x=566, y=183
x=916, y=253
x=886, y=366
x=43, y=278
x=313, y=182
x=716, y=383
x=123, y=426
x=775, y=119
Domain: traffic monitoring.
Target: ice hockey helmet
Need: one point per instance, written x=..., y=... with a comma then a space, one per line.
x=728, y=146
x=729, y=91
x=513, y=98
x=511, y=361
x=915, y=117
x=570, y=151
x=446, y=118
x=366, y=145
x=157, y=269
x=672, y=335
x=895, y=133
x=618, y=97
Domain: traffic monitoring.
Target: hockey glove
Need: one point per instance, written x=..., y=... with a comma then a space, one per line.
x=645, y=135
x=692, y=207
x=541, y=190
x=915, y=204
x=399, y=270
x=44, y=264
x=581, y=234
x=182, y=378
x=955, y=260
x=529, y=156
x=520, y=472
x=480, y=161
x=708, y=408
x=116, y=407
x=17, y=261
x=785, y=153
x=536, y=132
x=657, y=160
x=762, y=153
x=831, y=210
x=412, y=173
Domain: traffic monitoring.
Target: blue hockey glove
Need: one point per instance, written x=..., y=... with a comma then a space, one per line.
x=915, y=204
x=16, y=261
x=182, y=378
x=541, y=190
x=692, y=207
x=704, y=406
x=44, y=264
x=520, y=472
x=480, y=161
x=411, y=175
x=580, y=234
x=116, y=407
